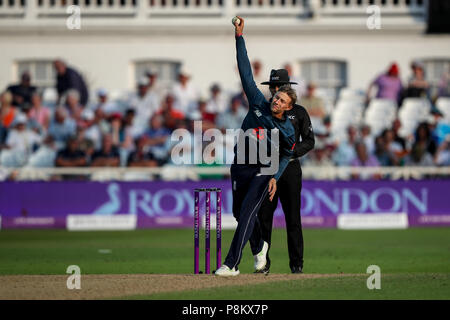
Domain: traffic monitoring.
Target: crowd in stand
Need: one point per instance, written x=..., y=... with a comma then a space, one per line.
x=427, y=145
x=134, y=130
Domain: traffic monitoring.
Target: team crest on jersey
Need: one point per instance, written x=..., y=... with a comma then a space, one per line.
x=258, y=113
x=291, y=117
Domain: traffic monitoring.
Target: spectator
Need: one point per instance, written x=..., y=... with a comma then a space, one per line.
x=7, y=114
x=442, y=156
x=39, y=112
x=389, y=86
x=7, y=110
x=157, y=137
x=45, y=156
x=73, y=105
x=381, y=152
x=108, y=107
x=68, y=78
x=394, y=148
x=396, y=125
x=208, y=118
x=384, y=156
x=22, y=141
x=345, y=152
x=62, y=127
x=418, y=86
x=300, y=87
x=127, y=123
x=122, y=137
x=319, y=156
x=242, y=98
x=145, y=103
x=313, y=104
x=108, y=155
x=153, y=86
x=232, y=118
x=442, y=127
x=363, y=157
x=444, y=84
x=217, y=102
x=90, y=128
x=170, y=115
x=119, y=136
x=102, y=122
x=141, y=157
x=323, y=131
x=367, y=138
x=23, y=91
x=71, y=155
x=85, y=144
x=32, y=124
x=424, y=140
x=419, y=156
x=185, y=94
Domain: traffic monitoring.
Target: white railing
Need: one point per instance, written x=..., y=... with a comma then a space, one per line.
x=270, y=7
x=410, y=7
x=88, y=8
x=180, y=173
x=185, y=7
x=13, y=8
x=143, y=9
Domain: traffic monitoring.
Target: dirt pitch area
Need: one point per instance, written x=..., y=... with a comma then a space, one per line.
x=50, y=287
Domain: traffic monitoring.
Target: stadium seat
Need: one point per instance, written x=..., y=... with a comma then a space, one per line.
x=349, y=92
x=328, y=95
x=349, y=105
x=350, y=112
x=353, y=95
x=411, y=113
x=416, y=107
x=377, y=126
x=408, y=128
x=380, y=114
x=384, y=104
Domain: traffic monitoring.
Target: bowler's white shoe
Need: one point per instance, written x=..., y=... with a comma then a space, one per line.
x=260, y=258
x=225, y=271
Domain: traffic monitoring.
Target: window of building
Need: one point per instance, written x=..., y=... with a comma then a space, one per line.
x=326, y=73
x=167, y=71
x=435, y=68
x=41, y=71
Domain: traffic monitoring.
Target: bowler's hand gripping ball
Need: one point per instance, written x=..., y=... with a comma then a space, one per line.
x=235, y=20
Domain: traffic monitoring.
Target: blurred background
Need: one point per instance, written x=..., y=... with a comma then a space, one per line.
x=89, y=100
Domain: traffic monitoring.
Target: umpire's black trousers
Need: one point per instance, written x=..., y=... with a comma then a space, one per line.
x=288, y=191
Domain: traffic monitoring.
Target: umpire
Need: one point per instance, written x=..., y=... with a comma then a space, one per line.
x=290, y=183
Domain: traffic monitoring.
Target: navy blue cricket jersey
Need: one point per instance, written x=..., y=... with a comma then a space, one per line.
x=260, y=116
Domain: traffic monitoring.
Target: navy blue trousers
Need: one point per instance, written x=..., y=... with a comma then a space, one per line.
x=249, y=190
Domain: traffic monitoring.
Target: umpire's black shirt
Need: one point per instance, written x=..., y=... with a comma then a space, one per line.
x=302, y=124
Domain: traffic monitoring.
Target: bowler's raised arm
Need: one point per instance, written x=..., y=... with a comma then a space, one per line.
x=252, y=92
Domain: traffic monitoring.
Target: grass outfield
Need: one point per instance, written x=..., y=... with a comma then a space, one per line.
x=415, y=263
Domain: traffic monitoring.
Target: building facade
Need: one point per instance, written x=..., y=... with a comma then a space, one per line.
x=335, y=43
